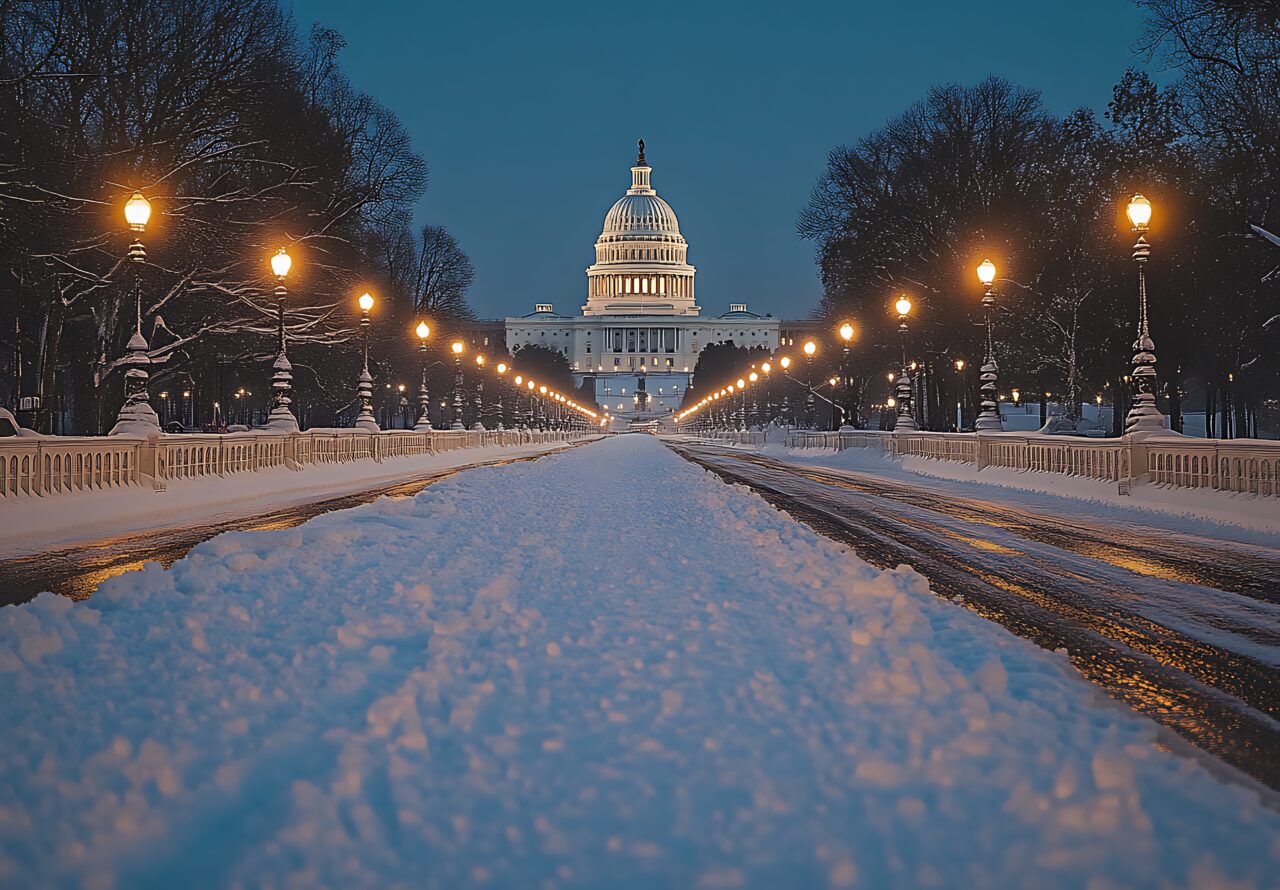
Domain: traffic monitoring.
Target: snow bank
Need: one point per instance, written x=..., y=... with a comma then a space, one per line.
x=605, y=668
x=1240, y=517
x=33, y=525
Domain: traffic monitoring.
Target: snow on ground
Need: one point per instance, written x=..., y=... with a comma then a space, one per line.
x=1243, y=518
x=32, y=525
x=603, y=668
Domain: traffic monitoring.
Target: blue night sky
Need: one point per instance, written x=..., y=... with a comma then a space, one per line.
x=528, y=115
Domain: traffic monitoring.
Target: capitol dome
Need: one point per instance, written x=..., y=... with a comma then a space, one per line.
x=640, y=265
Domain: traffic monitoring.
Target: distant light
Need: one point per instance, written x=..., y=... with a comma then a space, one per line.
x=366, y=302
x=810, y=347
x=422, y=330
x=903, y=305
x=987, y=272
x=846, y=332
x=457, y=347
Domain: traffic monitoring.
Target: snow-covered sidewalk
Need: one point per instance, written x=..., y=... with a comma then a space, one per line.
x=603, y=668
x=33, y=525
x=1244, y=518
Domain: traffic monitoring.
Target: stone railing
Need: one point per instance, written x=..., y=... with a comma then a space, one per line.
x=48, y=465
x=1250, y=466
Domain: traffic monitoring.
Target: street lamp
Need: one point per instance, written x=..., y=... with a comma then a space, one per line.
x=810, y=349
x=500, y=405
x=847, y=409
x=364, y=383
x=457, y=348
x=478, y=426
x=960, y=393
x=281, y=417
x=906, y=421
x=1144, y=416
x=423, y=332
x=989, y=419
x=136, y=416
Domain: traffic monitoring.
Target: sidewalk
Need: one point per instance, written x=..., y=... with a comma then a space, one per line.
x=606, y=668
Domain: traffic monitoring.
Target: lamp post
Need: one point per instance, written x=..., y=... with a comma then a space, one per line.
x=960, y=393
x=281, y=417
x=767, y=368
x=810, y=348
x=457, y=386
x=364, y=383
x=906, y=421
x=989, y=419
x=423, y=330
x=753, y=419
x=740, y=421
x=136, y=416
x=785, y=413
x=1144, y=416
x=498, y=406
x=478, y=426
x=847, y=332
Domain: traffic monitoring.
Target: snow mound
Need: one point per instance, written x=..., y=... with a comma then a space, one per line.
x=603, y=668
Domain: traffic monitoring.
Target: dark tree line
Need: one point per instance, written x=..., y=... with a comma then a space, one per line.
x=245, y=136
x=986, y=171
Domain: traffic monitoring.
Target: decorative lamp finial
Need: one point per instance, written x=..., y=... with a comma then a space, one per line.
x=640, y=162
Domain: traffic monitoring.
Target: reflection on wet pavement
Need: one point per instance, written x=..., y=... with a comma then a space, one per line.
x=1180, y=628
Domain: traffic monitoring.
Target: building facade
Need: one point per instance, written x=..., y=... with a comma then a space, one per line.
x=637, y=337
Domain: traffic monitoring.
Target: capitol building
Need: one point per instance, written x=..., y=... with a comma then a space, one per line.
x=637, y=338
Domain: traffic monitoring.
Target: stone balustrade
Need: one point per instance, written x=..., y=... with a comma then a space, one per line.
x=1250, y=466
x=51, y=465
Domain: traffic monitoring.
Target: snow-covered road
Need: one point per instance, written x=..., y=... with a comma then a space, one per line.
x=602, y=668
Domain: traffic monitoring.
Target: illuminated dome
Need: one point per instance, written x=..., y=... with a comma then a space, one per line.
x=640, y=266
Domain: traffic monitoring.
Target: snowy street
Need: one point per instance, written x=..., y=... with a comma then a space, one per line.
x=604, y=667
x=1183, y=625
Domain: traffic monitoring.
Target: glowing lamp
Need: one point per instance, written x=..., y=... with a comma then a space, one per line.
x=891, y=401
x=480, y=360
x=833, y=381
x=366, y=302
x=959, y=364
x=519, y=380
x=502, y=367
x=987, y=272
x=457, y=347
x=785, y=361
x=542, y=389
x=810, y=347
x=1139, y=211
x=903, y=306
x=753, y=376
x=846, y=332
x=422, y=330
x=137, y=210
x=741, y=383
x=281, y=262
x=530, y=384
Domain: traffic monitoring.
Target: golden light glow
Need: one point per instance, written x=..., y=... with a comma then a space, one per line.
x=1139, y=211
x=959, y=364
x=741, y=383
x=834, y=380
x=753, y=376
x=502, y=367
x=480, y=360
x=530, y=384
x=891, y=401
x=137, y=210
x=519, y=380
x=987, y=272
x=766, y=367
x=422, y=330
x=810, y=347
x=365, y=301
x=846, y=332
x=457, y=347
x=785, y=361
x=903, y=305
x=281, y=263
x=890, y=376
x=542, y=389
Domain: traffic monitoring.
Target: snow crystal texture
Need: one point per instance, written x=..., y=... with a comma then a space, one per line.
x=603, y=668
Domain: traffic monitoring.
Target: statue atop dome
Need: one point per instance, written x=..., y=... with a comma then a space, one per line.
x=640, y=158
